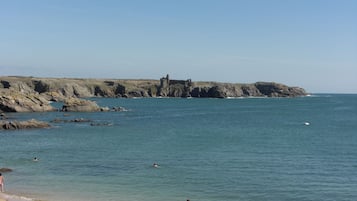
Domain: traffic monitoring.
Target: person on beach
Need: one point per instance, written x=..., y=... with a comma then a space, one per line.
x=2, y=183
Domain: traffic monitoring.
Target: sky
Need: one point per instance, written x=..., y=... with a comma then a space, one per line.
x=306, y=43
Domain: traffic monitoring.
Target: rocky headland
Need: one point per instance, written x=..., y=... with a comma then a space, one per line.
x=30, y=94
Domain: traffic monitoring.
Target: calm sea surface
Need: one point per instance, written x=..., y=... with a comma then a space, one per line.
x=252, y=149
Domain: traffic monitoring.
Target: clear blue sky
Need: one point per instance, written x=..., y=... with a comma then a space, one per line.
x=307, y=43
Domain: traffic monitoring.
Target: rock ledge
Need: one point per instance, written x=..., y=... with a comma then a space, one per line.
x=14, y=125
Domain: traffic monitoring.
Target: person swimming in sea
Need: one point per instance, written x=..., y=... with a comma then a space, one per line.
x=35, y=159
x=155, y=165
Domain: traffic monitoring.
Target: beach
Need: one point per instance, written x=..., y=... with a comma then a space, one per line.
x=8, y=197
x=2, y=197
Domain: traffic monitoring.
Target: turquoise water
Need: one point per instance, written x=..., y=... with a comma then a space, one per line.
x=251, y=149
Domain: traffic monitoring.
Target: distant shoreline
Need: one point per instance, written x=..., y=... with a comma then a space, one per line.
x=131, y=88
x=30, y=94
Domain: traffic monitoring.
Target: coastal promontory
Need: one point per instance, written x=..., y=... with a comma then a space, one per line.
x=31, y=94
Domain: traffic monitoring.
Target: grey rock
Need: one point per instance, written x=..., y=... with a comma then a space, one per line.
x=23, y=102
x=79, y=105
x=14, y=125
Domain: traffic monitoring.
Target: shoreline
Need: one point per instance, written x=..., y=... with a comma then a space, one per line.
x=12, y=197
x=59, y=89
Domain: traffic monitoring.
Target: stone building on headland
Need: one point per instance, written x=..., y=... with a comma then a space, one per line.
x=35, y=93
x=175, y=88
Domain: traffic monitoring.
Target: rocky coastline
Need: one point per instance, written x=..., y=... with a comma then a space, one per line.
x=61, y=88
x=31, y=94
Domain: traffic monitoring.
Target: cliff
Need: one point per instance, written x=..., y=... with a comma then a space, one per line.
x=58, y=89
x=30, y=94
x=61, y=88
x=18, y=101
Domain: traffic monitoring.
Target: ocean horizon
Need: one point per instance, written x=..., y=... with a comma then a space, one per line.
x=234, y=149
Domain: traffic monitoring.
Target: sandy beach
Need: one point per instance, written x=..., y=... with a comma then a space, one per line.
x=2, y=197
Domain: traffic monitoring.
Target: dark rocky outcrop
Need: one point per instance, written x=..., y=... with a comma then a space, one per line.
x=118, y=109
x=5, y=84
x=77, y=120
x=3, y=116
x=14, y=125
x=40, y=86
x=272, y=89
x=3, y=170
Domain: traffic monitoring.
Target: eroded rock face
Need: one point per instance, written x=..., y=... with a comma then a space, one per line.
x=59, y=89
x=14, y=125
x=23, y=102
x=80, y=105
x=272, y=89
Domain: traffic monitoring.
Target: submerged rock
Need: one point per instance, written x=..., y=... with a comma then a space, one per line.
x=119, y=109
x=102, y=124
x=2, y=170
x=14, y=125
x=77, y=120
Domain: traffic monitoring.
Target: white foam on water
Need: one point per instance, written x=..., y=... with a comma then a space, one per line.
x=9, y=197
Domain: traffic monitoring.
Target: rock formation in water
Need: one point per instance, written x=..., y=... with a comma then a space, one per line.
x=2, y=170
x=14, y=125
x=79, y=105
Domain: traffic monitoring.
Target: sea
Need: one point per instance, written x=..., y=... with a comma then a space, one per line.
x=234, y=149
